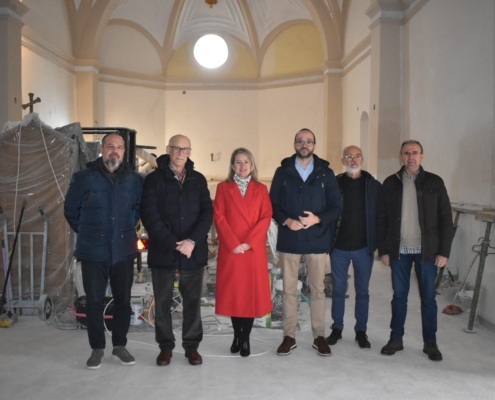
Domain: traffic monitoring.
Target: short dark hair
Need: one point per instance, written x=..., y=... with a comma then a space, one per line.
x=411, y=142
x=307, y=130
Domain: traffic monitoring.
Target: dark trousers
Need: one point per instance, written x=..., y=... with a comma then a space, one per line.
x=95, y=276
x=401, y=277
x=190, y=288
x=242, y=327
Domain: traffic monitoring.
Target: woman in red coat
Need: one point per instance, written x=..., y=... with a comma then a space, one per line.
x=242, y=214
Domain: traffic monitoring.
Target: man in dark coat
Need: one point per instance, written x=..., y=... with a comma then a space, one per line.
x=306, y=206
x=414, y=225
x=102, y=207
x=177, y=213
x=356, y=242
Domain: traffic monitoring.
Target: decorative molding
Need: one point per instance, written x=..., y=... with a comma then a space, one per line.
x=124, y=78
x=49, y=53
x=387, y=16
x=84, y=68
x=413, y=9
x=356, y=52
x=356, y=61
x=334, y=71
x=13, y=8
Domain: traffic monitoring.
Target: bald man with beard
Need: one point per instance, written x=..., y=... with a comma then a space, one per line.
x=355, y=241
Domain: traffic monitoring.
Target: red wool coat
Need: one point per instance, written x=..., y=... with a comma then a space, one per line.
x=243, y=287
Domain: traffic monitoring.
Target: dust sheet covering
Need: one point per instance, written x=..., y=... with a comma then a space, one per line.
x=36, y=165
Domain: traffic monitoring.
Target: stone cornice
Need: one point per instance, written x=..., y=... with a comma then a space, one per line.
x=13, y=8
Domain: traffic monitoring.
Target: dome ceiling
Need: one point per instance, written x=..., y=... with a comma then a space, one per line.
x=166, y=25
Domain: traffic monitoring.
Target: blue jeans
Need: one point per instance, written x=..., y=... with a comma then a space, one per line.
x=191, y=289
x=363, y=263
x=401, y=276
x=95, y=276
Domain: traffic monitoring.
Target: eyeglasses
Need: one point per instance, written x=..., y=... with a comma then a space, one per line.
x=350, y=156
x=177, y=149
x=301, y=142
x=411, y=153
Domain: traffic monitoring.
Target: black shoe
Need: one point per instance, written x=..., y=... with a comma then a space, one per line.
x=245, y=348
x=431, y=349
x=334, y=336
x=392, y=346
x=236, y=345
x=362, y=340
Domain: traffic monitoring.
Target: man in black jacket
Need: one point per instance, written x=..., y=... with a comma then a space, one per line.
x=306, y=206
x=177, y=212
x=414, y=225
x=356, y=242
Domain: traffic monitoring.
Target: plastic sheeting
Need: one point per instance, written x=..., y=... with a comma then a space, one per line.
x=36, y=165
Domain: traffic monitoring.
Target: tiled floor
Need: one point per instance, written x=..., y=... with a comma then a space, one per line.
x=38, y=361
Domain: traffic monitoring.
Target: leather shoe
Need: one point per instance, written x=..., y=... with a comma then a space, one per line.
x=245, y=348
x=321, y=346
x=164, y=357
x=236, y=345
x=392, y=346
x=194, y=357
x=431, y=349
x=287, y=345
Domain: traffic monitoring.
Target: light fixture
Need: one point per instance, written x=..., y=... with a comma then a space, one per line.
x=211, y=2
x=211, y=51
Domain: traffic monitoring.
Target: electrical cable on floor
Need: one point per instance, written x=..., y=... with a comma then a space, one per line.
x=207, y=335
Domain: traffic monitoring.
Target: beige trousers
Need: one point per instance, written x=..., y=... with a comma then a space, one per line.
x=315, y=263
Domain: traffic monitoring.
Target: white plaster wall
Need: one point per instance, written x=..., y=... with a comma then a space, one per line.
x=126, y=49
x=53, y=85
x=356, y=100
x=134, y=107
x=283, y=112
x=356, y=28
x=216, y=122
x=448, y=105
x=48, y=20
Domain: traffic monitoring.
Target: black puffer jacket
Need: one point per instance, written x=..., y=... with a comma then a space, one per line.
x=434, y=210
x=171, y=213
x=291, y=196
x=104, y=215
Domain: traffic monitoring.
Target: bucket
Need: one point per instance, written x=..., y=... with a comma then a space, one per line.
x=136, y=311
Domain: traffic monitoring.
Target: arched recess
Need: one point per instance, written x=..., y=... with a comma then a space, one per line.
x=364, y=138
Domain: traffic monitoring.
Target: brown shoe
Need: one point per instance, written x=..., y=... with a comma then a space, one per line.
x=164, y=357
x=194, y=357
x=287, y=345
x=321, y=346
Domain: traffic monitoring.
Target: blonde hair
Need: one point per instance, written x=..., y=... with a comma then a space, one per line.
x=249, y=155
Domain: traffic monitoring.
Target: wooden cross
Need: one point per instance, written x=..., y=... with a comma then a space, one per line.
x=31, y=102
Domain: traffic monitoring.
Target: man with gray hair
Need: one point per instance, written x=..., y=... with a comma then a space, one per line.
x=414, y=225
x=177, y=212
x=355, y=241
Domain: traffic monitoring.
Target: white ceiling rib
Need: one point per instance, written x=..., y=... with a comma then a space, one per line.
x=198, y=19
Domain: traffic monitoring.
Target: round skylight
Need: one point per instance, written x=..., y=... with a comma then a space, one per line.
x=211, y=51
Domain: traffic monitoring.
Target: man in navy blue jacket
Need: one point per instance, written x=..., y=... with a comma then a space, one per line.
x=102, y=207
x=356, y=242
x=306, y=206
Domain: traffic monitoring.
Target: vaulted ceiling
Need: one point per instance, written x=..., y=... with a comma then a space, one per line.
x=166, y=25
